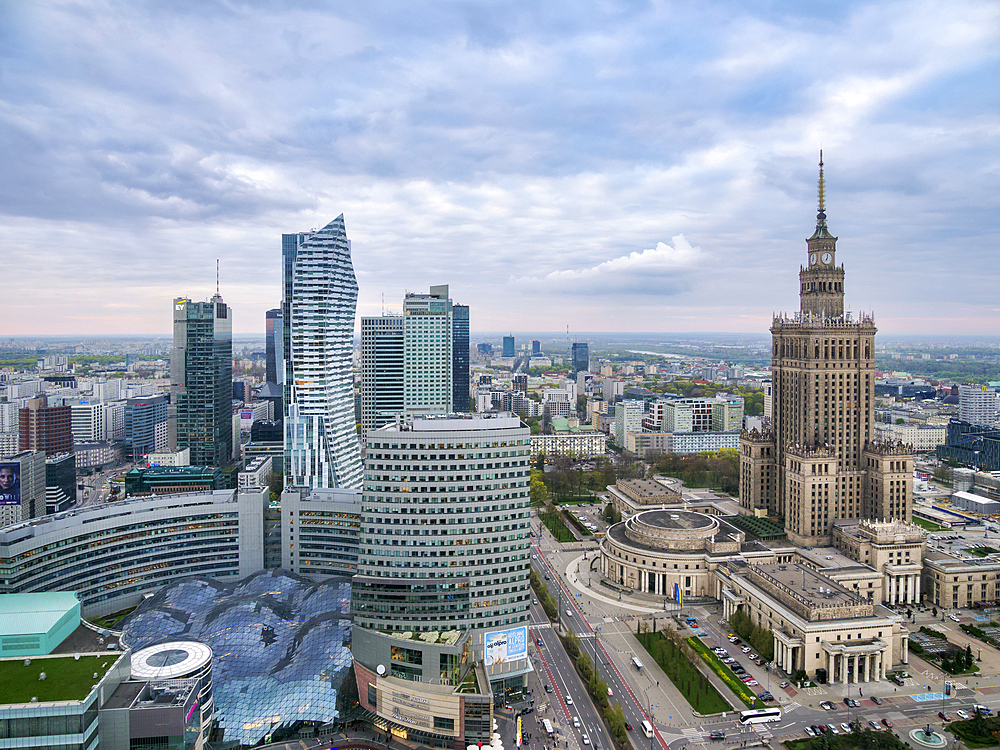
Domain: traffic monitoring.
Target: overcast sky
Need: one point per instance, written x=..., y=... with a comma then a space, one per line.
x=610, y=166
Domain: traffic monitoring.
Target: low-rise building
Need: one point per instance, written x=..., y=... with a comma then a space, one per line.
x=169, y=480
x=588, y=444
x=893, y=548
x=953, y=581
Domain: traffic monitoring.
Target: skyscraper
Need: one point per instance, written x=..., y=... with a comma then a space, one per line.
x=449, y=555
x=536, y=347
x=581, y=357
x=460, y=357
x=820, y=461
x=274, y=347
x=508, y=346
x=318, y=307
x=427, y=352
x=201, y=380
x=381, y=370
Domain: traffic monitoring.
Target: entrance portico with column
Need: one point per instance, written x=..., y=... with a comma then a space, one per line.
x=859, y=661
x=788, y=652
x=902, y=583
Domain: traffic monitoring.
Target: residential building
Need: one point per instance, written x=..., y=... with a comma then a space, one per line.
x=444, y=554
x=978, y=405
x=581, y=444
x=727, y=413
x=318, y=308
x=201, y=380
x=274, y=347
x=628, y=418
x=45, y=428
x=820, y=461
x=508, y=346
x=558, y=401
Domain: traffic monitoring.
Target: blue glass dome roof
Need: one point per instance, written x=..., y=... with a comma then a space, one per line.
x=281, y=645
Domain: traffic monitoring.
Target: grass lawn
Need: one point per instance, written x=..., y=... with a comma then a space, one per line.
x=742, y=691
x=981, y=551
x=555, y=524
x=965, y=730
x=691, y=683
x=927, y=525
x=109, y=621
x=877, y=740
x=66, y=679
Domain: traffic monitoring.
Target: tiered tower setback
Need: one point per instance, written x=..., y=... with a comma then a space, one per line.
x=818, y=462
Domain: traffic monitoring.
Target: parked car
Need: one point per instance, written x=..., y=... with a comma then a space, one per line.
x=887, y=723
x=943, y=716
x=851, y=702
x=873, y=724
x=745, y=649
x=833, y=729
x=962, y=714
x=826, y=705
x=811, y=732
x=845, y=726
x=822, y=729
x=784, y=684
x=752, y=683
x=953, y=618
x=876, y=700
x=897, y=679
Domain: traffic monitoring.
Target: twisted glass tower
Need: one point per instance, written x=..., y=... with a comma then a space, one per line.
x=319, y=300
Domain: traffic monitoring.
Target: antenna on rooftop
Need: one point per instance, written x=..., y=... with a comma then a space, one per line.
x=217, y=278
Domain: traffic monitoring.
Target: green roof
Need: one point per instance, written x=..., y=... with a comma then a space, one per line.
x=66, y=679
x=21, y=614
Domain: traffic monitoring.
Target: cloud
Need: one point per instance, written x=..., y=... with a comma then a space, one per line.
x=663, y=269
x=475, y=143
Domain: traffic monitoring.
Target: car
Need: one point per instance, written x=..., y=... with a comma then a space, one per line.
x=585, y=738
x=546, y=576
x=887, y=723
x=609, y=692
x=739, y=670
x=539, y=641
x=851, y=703
x=628, y=726
x=745, y=649
x=693, y=624
x=548, y=688
x=737, y=641
x=576, y=722
x=822, y=728
x=754, y=657
x=811, y=732
x=826, y=705
x=765, y=696
x=898, y=680
x=717, y=736
x=534, y=601
x=784, y=684
x=569, y=701
x=833, y=729
x=873, y=724
x=752, y=683
x=845, y=726
x=569, y=613
x=943, y=716
x=876, y=700
x=728, y=660
x=953, y=618
x=962, y=714
x=731, y=636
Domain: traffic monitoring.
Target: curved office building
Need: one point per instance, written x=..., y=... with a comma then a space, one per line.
x=113, y=554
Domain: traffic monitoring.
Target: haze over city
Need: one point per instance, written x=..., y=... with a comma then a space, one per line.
x=611, y=167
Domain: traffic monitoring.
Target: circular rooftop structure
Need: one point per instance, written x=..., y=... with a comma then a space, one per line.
x=170, y=661
x=671, y=529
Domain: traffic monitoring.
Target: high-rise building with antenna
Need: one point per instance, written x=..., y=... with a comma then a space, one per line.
x=820, y=461
x=319, y=300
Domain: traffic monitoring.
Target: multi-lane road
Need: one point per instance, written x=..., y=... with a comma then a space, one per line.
x=630, y=686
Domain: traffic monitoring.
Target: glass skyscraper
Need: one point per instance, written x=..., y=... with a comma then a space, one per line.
x=201, y=380
x=460, y=357
x=319, y=302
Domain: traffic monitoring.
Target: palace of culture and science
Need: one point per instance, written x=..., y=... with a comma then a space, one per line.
x=818, y=462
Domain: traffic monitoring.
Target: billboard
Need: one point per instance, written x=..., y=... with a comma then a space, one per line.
x=506, y=645
x=10, y=484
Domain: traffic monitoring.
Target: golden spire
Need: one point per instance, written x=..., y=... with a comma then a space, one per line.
x=821, y=185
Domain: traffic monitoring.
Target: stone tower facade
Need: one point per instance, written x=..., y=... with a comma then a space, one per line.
x=817, y=463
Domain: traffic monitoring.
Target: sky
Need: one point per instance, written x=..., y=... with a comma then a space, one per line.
x=606, y=166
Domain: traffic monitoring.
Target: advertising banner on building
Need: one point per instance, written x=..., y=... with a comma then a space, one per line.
x=506, y=645
x=10, y=484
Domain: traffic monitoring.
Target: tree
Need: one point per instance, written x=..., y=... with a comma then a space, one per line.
x=900, y=421
x=539, y=492
x=540, y=460
x=586, y=666
x=275, y=483
x=968, y=656
x=572, y=645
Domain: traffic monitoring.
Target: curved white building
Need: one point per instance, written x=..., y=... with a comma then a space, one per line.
x=320, y=297
x=112, y=554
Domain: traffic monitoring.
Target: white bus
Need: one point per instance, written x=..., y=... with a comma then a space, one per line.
x=548, y=726
x=760, y=715
x=647, y=729
x=636, y=663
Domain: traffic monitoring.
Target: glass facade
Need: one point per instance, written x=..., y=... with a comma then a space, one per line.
x=460, y=357
x=201, y=376
x=320, y=298
x=280, y=645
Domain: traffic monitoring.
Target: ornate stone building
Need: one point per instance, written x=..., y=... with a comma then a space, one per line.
x=819, y=462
